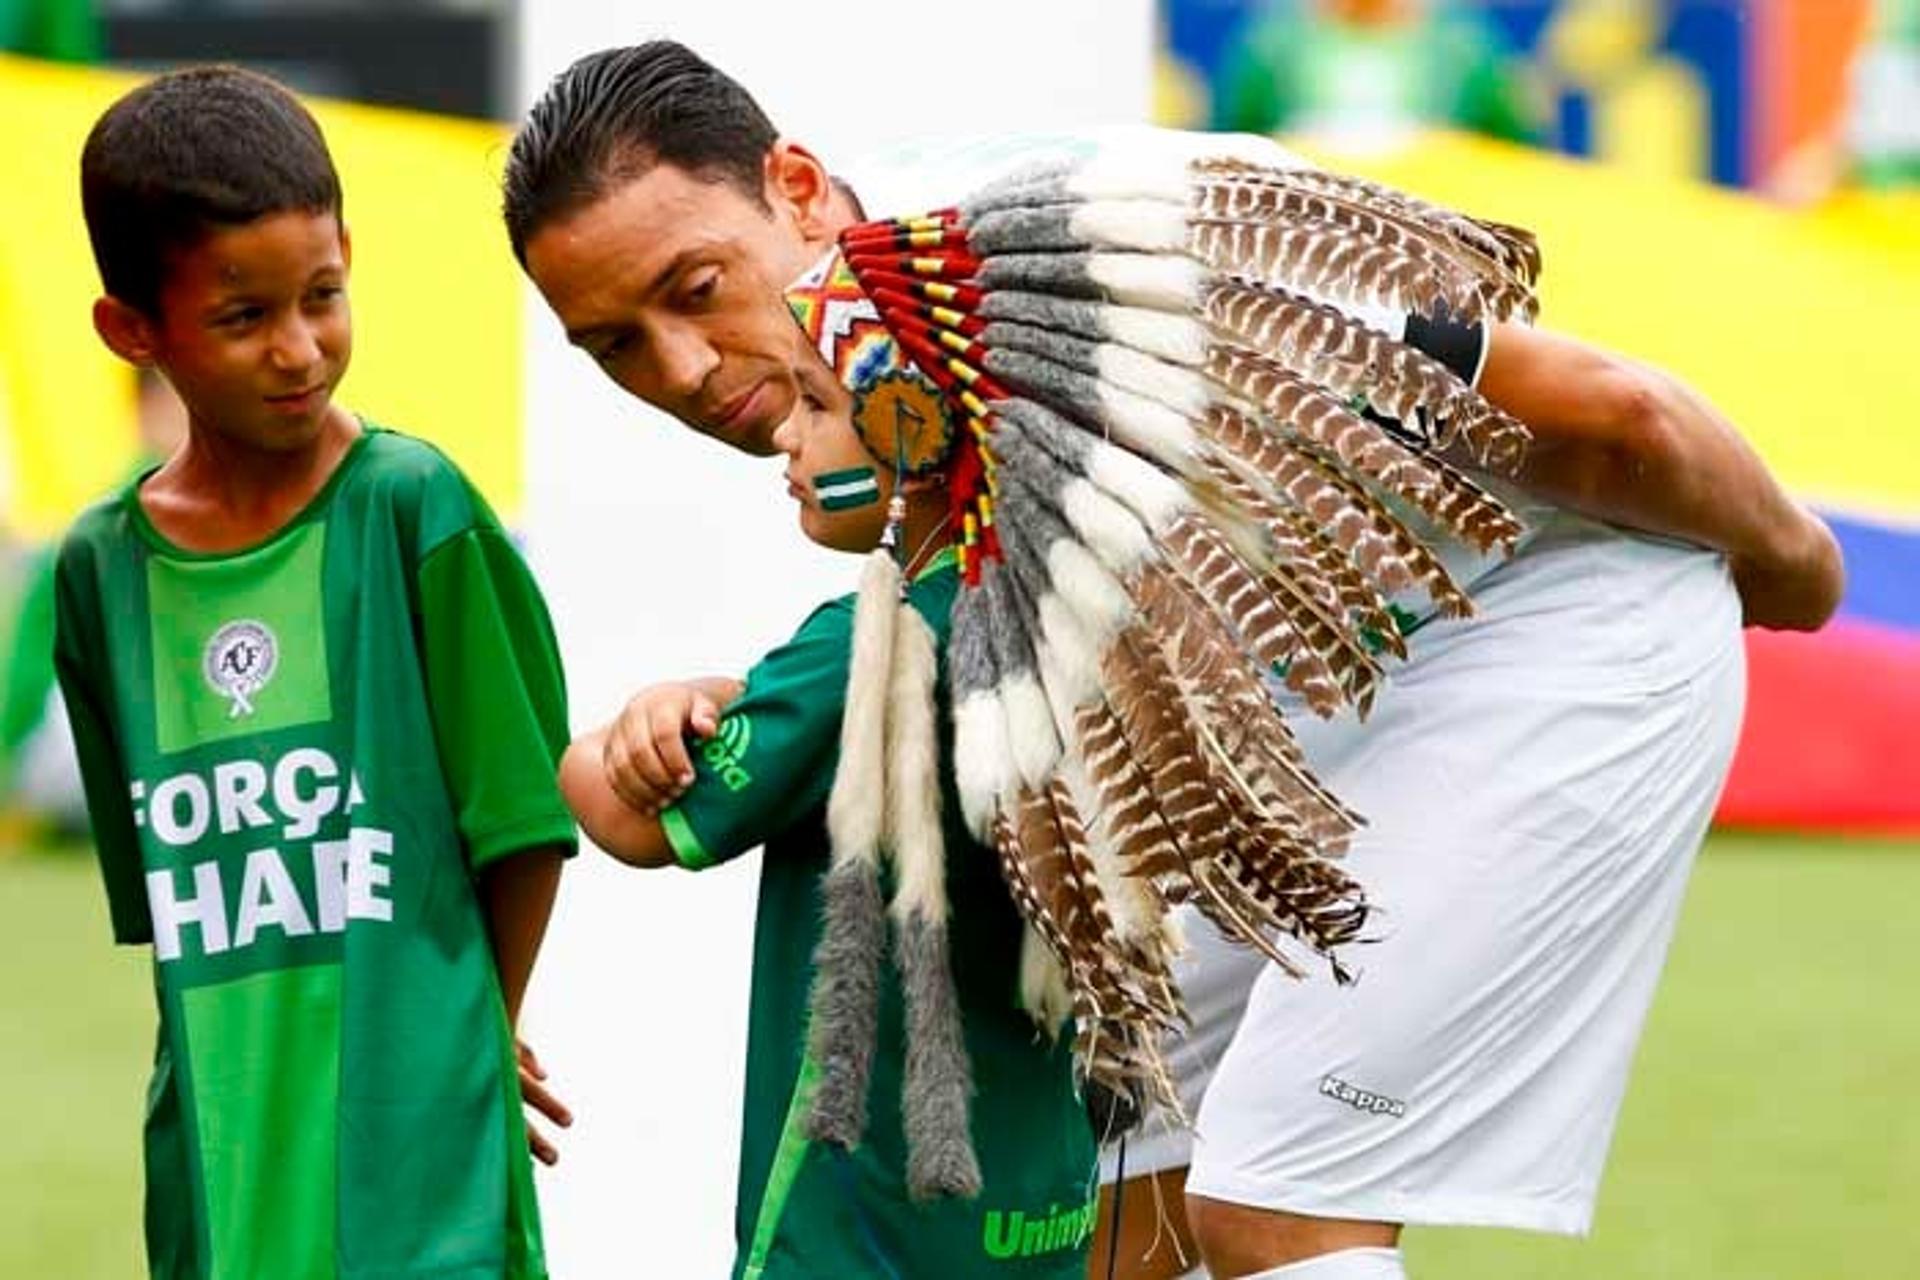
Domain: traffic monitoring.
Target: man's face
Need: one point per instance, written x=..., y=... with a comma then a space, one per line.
x=672, y=283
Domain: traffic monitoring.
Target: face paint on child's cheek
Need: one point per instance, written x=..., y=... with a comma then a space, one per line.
x=847, y=490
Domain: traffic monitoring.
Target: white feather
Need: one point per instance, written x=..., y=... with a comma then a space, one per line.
x=1043, y=984
x=1153, y=495
x=1179, y=389
x=1064, y=700
x=983, y=769
x=1035, y=743
x=1141, y=226
x=1151, y=429
x=1166, y=334
x=1248, y=148
x=1164, y=281
x=1131, y=910
x=1138, y=169
x=1109, y=529
x=856, y=806
x=1069, y=659
x=913, y=775
x=1089, y=590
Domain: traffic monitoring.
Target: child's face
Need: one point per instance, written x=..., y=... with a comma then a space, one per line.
x=841, y=488
x=253, y=329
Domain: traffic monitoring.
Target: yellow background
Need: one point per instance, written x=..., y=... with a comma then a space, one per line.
x=436, y=295
x=1801, y=326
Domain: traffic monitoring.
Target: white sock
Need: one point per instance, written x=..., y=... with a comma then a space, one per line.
x=1346, y=1264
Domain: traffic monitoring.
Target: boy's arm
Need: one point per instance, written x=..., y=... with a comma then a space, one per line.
x=517, y=894
x=79, y=662
x=1631, y=445
x=767, y=762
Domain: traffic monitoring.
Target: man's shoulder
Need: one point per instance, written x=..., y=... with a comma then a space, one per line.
x=936, y=170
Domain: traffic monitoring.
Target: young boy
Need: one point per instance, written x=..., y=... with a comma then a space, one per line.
x=810, y=1209
x=317, y=705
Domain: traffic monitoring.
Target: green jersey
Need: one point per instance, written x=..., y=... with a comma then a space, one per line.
x=296, y=759
x=816, y=1212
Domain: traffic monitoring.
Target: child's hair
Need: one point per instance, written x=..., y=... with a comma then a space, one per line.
x=188, y=153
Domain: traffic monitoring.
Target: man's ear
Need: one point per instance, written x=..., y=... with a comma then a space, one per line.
x=798, y=184
x=127, y=332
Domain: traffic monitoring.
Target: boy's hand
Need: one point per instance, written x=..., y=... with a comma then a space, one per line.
x=646, y=757
x=534, y=1092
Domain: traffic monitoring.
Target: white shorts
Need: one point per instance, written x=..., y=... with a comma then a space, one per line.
x=1536, y=782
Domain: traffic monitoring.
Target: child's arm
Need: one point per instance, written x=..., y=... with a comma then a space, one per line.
x=635, y=838
x=517, y=894
x=645, y=750
x=618, y=779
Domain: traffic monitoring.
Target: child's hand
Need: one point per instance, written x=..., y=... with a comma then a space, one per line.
x=534, y=1092
x=646, y=757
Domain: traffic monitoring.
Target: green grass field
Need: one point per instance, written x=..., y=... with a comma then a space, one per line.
x=1770, y=1133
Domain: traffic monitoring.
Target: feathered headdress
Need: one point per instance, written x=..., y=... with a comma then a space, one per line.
x=1180, y=472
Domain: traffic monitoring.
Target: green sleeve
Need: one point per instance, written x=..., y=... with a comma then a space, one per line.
x=79, y=659
x=770, y=765
x=28, y=676
x=497, y=695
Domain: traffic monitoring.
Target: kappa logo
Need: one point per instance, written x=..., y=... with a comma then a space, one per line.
x=239, y=661
x=727, y=748
x=1361, y=1099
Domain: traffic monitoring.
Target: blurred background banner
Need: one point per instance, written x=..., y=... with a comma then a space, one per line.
x=438, y=350
x=1738, y=92
x=1798, y=322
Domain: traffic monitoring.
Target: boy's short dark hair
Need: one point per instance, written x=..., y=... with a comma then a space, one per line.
x=614, y=115
x=190, y=152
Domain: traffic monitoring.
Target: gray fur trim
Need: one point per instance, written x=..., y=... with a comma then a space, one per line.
x=1026, y=572
x=1062, y=315
x=1066, y=274
x=1076, y=353
x=1026, y=469
x=935, y=1095
x=1035, y=182
x=845, y=1001
x=971, y=661
x=1044, y=429
x=1038, y=515
x=1012, y=645
x=1043, y=229
x=1047, y=380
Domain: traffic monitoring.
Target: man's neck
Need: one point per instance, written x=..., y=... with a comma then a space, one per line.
x=843, y=211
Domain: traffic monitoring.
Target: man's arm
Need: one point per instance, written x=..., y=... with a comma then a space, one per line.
x=1631, y=445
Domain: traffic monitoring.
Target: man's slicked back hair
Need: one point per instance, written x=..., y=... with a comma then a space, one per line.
x=186, y=154
x=617, y=114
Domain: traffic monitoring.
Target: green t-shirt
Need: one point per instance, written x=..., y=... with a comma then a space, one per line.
x=810, y=1211
x=296, y=759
